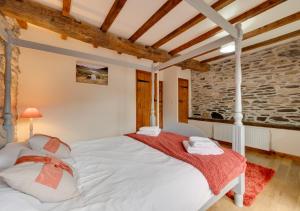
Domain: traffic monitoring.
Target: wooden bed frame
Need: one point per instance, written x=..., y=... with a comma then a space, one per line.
x=235, y=34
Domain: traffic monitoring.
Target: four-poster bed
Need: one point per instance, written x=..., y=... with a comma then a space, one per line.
x=235, y=34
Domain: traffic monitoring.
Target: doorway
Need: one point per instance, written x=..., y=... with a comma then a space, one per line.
x=143, y=99
x=183, y=100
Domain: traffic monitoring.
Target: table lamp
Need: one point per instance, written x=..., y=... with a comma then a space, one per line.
x=31, y=113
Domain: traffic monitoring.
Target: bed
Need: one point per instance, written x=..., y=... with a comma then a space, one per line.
x=119, y=173
x=122, y=173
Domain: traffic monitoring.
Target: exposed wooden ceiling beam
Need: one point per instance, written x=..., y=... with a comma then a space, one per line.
x=64, y=37
x=240, y=18
x=258, y=45
x=266, y=28
x=43, y=16
x=161, y=12
x=22, y=24
x=66, y=7
x=112, y=14
x=190, y=23
x=274, y=25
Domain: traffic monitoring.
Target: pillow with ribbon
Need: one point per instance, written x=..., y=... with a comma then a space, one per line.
x=50, y=145
x=42, y=176
x=9, y=154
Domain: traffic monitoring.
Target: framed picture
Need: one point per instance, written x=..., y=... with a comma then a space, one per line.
x=91, y=73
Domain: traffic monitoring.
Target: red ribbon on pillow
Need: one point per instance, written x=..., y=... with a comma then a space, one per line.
x=53, y=144
x=51, y=172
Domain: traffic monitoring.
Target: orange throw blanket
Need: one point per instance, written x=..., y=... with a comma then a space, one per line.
x=218, y=170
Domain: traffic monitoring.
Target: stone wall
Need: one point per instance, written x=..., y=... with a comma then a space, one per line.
x=270, y=87
x=11, y=24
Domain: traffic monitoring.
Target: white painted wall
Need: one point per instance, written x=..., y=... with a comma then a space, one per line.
x=285, y=141
x=73, y=111
x=170, y=77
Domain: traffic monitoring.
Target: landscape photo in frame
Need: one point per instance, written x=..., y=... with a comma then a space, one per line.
x=91, y=73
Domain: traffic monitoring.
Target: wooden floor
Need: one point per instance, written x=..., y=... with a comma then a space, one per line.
x=281, y=194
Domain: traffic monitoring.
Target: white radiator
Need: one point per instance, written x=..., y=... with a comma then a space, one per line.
x=255, y=137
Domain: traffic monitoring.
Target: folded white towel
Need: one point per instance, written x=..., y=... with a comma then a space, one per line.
x=149, y=133
x=207, y=150
x=149, y=128
x=196, y=141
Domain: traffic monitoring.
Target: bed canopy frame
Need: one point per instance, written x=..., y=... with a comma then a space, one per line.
x=235, y=35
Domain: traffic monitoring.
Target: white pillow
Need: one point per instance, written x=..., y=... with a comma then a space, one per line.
x=50, y=145
x=2, y=142
x=9, y=154
x=41, y=177
x=2, y=137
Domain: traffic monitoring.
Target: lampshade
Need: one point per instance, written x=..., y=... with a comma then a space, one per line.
x=31, y=113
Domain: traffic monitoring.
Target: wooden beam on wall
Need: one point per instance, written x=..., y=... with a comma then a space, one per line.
x=49, y=18
x=112, y=14
x=240, y=18
x=66, y=7
x=266, y=28
x=258, y=45
x=161, y=12
x=22, y=24
x=190, y=23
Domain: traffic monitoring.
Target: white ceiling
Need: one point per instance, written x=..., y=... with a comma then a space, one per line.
x=136, y=12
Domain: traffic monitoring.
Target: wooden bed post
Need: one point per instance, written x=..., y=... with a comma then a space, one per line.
x=8, y=125
x=238, y=143
x=152, y=115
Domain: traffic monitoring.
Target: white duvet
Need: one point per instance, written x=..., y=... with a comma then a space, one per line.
x=122, y=174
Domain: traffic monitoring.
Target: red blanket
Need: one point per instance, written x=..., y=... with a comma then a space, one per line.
x=218, y=170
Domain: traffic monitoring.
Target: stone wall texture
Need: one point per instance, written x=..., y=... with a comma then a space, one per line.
x=12, y=25
x=270, y=87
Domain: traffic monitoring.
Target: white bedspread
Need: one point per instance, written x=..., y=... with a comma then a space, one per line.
x=122, y=174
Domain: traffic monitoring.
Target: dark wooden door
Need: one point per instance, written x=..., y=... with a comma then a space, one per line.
x=143, y=99
x=183, y=100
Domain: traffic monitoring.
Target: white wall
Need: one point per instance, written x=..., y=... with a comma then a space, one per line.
x=285, y=141
x=170, y=77
x=73, y=111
